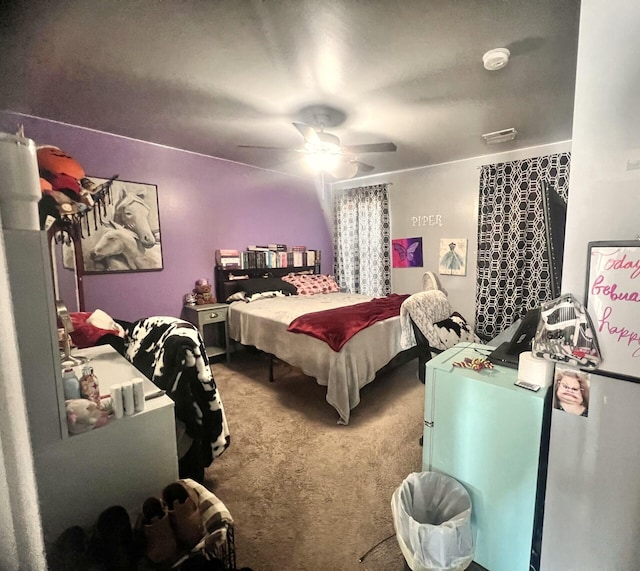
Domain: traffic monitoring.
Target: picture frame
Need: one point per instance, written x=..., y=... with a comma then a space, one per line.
x=571, y=388
x=127, y=237
x=612, y=299
x=452, y=257
x=407, y=253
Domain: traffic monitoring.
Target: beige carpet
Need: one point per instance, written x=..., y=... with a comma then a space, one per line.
x=306, y=493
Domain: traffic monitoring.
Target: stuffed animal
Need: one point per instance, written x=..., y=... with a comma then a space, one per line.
x=62, y=183
x=84, y=415
x=203, y=292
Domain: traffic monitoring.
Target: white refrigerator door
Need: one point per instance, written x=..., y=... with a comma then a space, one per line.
x=592, y=506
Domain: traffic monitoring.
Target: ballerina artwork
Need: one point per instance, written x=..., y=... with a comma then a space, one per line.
x=453, y=257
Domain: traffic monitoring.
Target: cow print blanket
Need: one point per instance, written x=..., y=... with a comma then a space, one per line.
x=171, y=353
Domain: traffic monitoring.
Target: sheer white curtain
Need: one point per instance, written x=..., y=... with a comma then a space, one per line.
x=361, y=240
x=21, y=541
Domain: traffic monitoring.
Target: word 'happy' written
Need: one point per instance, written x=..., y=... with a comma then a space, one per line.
x=621, y=334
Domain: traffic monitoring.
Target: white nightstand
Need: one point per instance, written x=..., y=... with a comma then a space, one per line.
x=211, y=314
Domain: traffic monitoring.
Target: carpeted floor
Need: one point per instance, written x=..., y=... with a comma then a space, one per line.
x=305, y=492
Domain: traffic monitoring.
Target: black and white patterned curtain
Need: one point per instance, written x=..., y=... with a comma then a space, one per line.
x=361, y=232
x=513, y=270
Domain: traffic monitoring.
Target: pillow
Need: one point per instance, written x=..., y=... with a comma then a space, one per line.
x=238, y=296
x=312, y=284
x=88, y=327
x=259, y=285
x=454, y=330
x=264, y=295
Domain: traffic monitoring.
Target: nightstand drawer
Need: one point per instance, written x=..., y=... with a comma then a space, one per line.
x=213, y=315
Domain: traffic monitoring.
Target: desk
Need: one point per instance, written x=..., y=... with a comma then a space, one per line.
x=486, y=433
x=122, y=463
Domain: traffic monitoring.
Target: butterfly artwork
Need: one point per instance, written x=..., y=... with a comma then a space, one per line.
x=407, y=253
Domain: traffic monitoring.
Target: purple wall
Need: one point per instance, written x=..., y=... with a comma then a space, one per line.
x=205, y=204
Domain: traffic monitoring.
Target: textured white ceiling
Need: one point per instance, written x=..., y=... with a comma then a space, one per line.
x=209, y=76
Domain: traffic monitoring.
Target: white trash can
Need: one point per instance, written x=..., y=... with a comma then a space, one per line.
x=432, y=519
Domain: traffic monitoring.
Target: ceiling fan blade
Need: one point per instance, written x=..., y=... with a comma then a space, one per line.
x=370, y=148
x=271, y=148
x=307, y=131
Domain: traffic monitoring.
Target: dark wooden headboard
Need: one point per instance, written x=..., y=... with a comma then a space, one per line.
x=226, y=284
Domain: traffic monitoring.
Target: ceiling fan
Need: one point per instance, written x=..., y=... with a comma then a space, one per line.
x=323, y=150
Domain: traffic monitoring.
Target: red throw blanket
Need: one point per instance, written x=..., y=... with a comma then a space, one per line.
x=337, y=326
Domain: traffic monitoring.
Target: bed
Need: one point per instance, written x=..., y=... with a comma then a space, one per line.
x=264, y=321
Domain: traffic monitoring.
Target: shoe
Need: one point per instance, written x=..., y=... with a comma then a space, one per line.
x=112, y=540
x=69, y=551
x=182, y=503
x=156, y=527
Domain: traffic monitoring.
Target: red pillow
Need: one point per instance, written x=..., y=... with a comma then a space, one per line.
x=84, y=334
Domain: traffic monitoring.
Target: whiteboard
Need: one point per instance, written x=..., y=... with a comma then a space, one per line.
x=613, y=303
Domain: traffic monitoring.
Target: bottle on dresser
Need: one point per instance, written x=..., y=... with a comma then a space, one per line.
x=70, y=384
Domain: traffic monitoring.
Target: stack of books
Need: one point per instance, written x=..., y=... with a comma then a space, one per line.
x=270, y=256
x=228, y=259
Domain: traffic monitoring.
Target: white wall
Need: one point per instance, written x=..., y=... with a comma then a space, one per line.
x=449, y=190
x=592, y=499
x=604, y=200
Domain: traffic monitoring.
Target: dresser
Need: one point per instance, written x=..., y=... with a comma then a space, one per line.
x=122, y=463
x=211, y=321
x=487, y=433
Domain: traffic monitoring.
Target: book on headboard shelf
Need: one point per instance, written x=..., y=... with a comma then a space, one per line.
x=254, y=259
x=278, y=259
x=227, y=258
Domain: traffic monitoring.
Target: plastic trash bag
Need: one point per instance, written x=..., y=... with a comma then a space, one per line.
x=432, y=519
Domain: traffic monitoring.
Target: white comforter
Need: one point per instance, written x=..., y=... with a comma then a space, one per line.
x=263, y=324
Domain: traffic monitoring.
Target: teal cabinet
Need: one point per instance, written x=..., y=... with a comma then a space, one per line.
x=486, y=432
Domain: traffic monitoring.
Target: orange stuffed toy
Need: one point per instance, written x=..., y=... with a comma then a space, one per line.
x=65, y=187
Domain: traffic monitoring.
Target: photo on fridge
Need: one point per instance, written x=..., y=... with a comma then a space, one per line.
x=571, y=390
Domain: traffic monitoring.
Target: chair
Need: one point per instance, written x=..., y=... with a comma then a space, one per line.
x=429, y=321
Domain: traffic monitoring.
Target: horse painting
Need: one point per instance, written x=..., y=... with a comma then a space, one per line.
x=119, y=249
x=133, y=207
x=132, y=212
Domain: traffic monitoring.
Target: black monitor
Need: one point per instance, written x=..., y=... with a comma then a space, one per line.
x=554, y=211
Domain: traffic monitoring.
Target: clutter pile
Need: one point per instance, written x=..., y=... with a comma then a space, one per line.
x=187, y=528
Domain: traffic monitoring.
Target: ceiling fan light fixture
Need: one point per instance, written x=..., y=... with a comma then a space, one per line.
x=321, y=148
x=344, y=170
x=322, y=160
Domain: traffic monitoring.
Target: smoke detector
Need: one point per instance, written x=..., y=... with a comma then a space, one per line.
x=496, y=59
x=500, y=136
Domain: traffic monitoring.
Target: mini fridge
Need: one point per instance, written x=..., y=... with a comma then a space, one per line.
x=489, y=434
